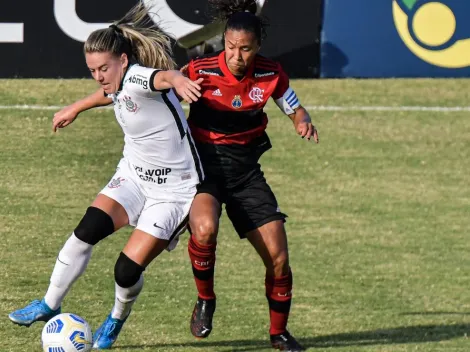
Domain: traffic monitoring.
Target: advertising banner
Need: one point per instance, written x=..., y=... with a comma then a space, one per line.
x=45, y=38
x=396, y=38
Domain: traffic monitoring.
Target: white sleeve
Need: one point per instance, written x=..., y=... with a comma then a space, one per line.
x=288, y=102
x=139, y=80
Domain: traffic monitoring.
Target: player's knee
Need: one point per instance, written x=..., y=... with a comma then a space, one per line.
x=94, y=226
x=279, y=263
x=204, y=230
x=127, y=272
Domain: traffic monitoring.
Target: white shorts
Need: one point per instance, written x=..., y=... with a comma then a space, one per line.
x=161, y=213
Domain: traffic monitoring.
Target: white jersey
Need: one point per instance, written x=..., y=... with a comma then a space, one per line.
x=157, y=141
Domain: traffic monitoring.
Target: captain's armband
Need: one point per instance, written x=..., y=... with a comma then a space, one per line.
x=288, y=102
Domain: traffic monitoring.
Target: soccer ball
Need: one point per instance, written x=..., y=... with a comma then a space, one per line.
x=66, y=333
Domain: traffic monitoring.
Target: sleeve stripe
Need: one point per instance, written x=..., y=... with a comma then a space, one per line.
x=152, y=77
x=291, y=100
x=294, y=104
x=290, y=95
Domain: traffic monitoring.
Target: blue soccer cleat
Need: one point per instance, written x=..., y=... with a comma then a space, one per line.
x=33, y=312
x=107, y=333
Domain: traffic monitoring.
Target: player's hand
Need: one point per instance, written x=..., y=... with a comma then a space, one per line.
x=306, y=129
x=187, y=89
x=63, y=118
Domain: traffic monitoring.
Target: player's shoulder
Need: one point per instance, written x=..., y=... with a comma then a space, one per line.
x=134, y=72
x=133, y=68
x=207, y=64
x=265, y=67
x=207, y=58
x=139, y=77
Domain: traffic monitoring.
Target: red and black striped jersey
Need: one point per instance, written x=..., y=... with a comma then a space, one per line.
x=228, y=122
x=230, y=110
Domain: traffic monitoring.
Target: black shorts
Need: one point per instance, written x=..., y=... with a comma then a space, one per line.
x=249, y=204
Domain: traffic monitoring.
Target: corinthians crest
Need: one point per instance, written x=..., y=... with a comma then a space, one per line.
x=116, y=182
x=130, y=105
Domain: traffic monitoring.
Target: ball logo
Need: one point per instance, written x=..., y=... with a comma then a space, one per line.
x=430, y=30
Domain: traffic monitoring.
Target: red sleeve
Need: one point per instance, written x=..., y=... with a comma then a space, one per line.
x=191, y=72
x=282, y=84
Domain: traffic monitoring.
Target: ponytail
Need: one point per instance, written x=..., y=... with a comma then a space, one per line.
x=138, y=37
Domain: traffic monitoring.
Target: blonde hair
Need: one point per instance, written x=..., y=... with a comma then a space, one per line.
x=137, y=36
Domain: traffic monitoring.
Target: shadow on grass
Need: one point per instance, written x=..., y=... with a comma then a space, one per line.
x=399, y=335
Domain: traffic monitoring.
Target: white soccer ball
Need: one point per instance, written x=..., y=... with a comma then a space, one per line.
x=67, y=333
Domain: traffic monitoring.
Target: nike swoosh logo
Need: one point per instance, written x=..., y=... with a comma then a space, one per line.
x=158, y=226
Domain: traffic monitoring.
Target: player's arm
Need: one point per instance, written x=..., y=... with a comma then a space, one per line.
x=287, y=101
x=185, y=71
x=303, y=124
x=186, y=88
x=68, y=114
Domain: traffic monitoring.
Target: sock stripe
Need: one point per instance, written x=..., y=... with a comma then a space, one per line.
x=203, y=275
x=279, y=306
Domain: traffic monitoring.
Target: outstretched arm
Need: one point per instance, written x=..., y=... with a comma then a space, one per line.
x=67, y=115
x=287, y=101
x=187, y=89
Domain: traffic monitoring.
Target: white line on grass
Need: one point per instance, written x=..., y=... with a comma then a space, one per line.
x=308, y=107
x=389, y=108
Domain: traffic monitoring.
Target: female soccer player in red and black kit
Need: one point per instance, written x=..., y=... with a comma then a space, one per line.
x=228, y=125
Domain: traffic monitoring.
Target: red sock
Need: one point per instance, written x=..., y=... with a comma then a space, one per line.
x=279, y=295
x=203, y=262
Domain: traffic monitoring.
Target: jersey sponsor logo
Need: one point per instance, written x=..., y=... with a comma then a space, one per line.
x=153, y=175
x=140, y=80
x=208, y=73
x=130, y=105
x=116, y=182
x=217, y=93
x=237, y=102
x=257, y=75
x=256, y=95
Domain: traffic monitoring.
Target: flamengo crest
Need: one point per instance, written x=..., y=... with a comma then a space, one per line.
x=256, y=95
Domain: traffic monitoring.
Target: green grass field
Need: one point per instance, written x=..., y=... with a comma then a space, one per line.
x=378, y=227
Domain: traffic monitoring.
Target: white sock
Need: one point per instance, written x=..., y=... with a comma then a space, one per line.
x=125, y=298
x=70, y=264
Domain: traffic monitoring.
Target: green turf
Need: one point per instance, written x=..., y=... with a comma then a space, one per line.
x=378, y=224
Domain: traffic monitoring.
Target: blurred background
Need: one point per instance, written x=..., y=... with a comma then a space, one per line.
x=311, y=38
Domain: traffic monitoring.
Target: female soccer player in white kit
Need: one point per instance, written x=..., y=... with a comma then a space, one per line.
x=156, y=179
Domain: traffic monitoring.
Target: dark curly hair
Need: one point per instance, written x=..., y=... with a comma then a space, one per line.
x=239, y=15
